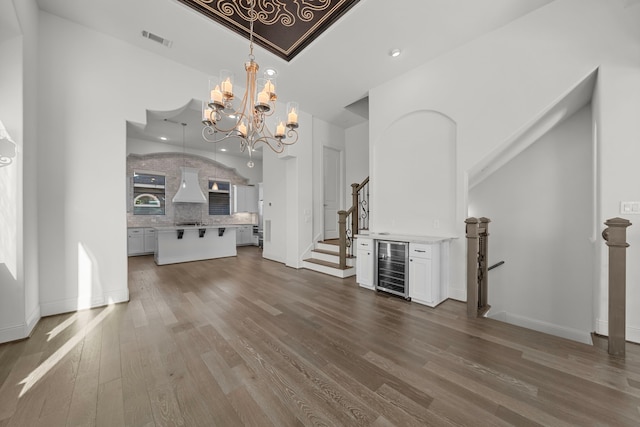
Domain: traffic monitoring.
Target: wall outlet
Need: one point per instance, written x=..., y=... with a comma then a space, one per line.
x=630, y=208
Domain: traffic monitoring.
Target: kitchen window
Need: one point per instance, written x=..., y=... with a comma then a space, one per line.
x=148, y=194
x=219, y=197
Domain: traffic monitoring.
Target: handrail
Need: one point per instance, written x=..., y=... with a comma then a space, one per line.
x=497, y=264
x=345, y=236
x=362, y=184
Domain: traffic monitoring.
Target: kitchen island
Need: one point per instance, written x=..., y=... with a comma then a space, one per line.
x=193, y=243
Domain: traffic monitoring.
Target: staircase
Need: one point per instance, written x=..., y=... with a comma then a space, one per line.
x=336, y=256
x=325, y=258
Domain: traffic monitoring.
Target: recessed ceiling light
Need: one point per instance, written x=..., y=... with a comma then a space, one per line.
x=271, y=72
x=164, y=138
x=223, y=149
x=395, y=53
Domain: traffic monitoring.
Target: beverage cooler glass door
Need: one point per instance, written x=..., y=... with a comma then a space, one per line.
x=392, y=267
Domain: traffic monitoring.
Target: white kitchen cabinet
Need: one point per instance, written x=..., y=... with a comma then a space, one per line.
x=141, y=241
x=149, y=240
x=424, y=274
x=364, y=262
x=135, y=241
x=244, y=235
x=245, y=198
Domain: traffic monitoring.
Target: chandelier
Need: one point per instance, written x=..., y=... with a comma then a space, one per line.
x=248, y=121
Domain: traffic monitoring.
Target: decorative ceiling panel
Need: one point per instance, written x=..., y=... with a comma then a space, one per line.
x=284, y=27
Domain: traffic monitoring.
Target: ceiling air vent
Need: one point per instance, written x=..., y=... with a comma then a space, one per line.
x=156, y=38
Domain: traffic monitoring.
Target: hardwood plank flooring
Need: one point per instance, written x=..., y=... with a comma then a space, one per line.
x=245, y=341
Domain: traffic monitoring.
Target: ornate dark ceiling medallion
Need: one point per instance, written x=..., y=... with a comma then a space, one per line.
x=284, y=27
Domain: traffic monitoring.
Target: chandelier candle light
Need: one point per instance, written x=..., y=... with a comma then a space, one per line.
x=258, y=103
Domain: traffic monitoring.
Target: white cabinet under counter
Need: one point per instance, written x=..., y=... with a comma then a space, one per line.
x=193, y=243
x=141, y=241
x=427, y=281
x=149, y=240
x=364, y=262
x=244, y=235
x=424, y=274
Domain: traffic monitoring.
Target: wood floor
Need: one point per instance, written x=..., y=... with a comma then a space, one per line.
x=245, y=341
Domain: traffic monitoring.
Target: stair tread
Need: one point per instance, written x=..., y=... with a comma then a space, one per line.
x=335, y=242
x=322, y=251
x=327, y=264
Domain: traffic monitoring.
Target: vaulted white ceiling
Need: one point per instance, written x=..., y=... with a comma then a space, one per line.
x=335, y=70
x=330, y=78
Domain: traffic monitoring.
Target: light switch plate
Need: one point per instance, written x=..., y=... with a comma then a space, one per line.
x=630, y=208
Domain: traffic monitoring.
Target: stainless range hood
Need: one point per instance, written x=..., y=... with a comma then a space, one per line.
x=189, y=190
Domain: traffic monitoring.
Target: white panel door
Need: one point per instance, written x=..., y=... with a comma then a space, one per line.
x=331, y=170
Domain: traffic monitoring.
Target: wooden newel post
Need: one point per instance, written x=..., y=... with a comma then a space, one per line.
x=616, y=237
x=483, y=232
x=342, y=229
x=473, y=246
x=355, y=227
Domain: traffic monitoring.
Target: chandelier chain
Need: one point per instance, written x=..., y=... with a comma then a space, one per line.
x=252, y=18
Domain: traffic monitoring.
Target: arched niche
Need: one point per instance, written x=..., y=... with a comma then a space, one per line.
x=414, y=175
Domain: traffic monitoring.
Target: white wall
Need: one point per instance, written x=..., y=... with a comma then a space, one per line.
x=300, y=177
x=496, y=86
x=274, y=207
x=254, y=174
x=28, y=16
x=12, y=315
x=19, y=303
x=287, y=201
x=357, y=157
x=325, y=135
x=616, y=107
x=540, y=205
x=415, y=170
x=82, y=247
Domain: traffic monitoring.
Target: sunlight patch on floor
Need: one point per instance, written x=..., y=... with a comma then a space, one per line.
x=61, y=327
x=53, y=360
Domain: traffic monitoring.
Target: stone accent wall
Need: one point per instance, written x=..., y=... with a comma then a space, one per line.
x=169, y=164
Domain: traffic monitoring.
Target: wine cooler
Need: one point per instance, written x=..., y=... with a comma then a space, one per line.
x=392, y=267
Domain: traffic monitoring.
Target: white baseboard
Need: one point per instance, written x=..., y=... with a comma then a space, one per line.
x=267, y=255
x=32, y=320
x=22, y=330
x=632, y=333
x=540, y=326
x=13, y=333
x=458, y=294
x=501, y=316
x=71, y=304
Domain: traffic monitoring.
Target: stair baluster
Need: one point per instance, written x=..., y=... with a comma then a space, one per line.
x=359, y=212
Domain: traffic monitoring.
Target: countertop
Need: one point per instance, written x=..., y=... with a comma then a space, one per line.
x=406, y=237
x=197, y=227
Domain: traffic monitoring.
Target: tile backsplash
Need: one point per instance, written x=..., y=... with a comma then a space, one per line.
x=169, y=164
